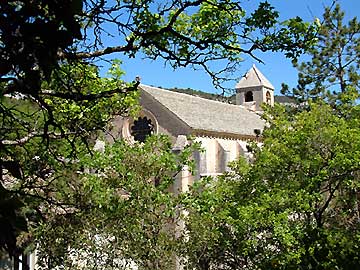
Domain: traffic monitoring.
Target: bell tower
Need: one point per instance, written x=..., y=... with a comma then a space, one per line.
x=254, y=89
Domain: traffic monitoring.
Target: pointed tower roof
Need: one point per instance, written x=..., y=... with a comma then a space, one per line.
x=254, y=78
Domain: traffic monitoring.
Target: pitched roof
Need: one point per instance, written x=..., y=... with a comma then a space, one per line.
x=207, y=115
x=254, y=78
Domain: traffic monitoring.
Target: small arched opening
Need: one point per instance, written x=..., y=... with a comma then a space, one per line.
x=249, y=96
x=268, y=98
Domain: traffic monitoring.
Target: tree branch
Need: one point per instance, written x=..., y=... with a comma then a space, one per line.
x=31, y=135
x=89, y=97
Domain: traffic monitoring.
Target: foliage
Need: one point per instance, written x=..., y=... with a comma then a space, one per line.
x=40, y=138
x=334, y=61
x=38, y=35
x=117, y=217
x=48, y=52
x=310, y=167
x=296, y=206
x=32, y=34
x=208, y=237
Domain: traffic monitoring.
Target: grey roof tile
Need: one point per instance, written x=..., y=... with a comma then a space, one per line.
x=204, y=114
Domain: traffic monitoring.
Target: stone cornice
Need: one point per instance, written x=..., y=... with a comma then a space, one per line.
x=224, y=135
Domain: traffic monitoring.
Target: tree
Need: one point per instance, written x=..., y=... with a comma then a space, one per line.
x=182, y=33
x=40, y=143
x=209, y=240
x=53, y=100
x=296, y=206
x=117, y=218
x=311, y=175
x=334, y=61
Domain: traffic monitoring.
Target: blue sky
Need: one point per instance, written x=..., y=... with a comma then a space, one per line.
x=277, y=68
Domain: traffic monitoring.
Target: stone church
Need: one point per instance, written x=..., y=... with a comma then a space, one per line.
x=222, y=129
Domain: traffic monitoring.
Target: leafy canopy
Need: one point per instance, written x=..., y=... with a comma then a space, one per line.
x=296, y=206
x=122, y=210
x=54, y=103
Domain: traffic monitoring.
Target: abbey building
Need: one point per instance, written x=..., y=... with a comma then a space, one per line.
x=222, y=129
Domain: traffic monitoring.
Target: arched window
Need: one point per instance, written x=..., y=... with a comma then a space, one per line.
x=141, y=129
x=249, y=96
x=268, y=97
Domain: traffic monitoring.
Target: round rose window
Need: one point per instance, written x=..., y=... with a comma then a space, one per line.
x=141, y=129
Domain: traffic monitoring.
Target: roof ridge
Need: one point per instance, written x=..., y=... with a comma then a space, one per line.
x=257, y=74
x=192, y=96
